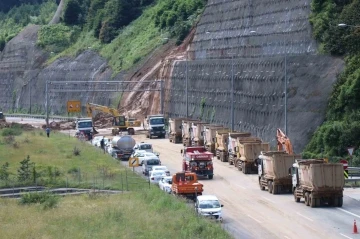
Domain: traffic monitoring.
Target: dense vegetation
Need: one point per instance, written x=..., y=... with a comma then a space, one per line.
x=14, y=20
x=342, y=126
x=122, y=31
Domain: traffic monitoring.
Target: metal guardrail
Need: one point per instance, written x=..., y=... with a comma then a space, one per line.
x=62, y=118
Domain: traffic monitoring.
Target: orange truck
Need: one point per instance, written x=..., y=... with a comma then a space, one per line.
x=186, y=184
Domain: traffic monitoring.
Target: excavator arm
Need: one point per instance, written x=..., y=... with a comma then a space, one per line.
x=283, y=142
x=90, y=107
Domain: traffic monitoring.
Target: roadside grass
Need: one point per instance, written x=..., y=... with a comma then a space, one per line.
x=147, y=214
x=57, y=166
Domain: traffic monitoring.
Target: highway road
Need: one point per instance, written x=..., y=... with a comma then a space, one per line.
x=252, y=213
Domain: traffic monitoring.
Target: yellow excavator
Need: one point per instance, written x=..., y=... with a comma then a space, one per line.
x=120, y=122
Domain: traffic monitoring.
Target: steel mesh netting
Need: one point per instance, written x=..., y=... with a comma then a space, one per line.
x=226, y=26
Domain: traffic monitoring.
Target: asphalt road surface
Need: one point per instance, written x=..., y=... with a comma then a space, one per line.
x=251, y=213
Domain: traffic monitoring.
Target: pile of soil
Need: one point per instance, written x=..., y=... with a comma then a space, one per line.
x=62, y=125
x=102, y=120
x=25, y=127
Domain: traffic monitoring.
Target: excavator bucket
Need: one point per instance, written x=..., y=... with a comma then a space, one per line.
x=94, y=131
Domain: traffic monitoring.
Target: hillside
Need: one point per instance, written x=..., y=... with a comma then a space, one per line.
x=138, y=41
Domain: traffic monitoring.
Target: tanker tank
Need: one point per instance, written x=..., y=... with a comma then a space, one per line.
x=123, y=146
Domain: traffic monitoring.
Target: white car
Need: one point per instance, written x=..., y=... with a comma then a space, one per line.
x=161, y=168
x=144, y=146
x=209, y=206
x=156, y=176
x=165, y=184
x=96, y=141
x=143, y=155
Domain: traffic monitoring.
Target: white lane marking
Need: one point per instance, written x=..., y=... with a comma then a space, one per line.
x=254, y=218
x=240, y=186
x=267, y=199
x=346, y=211
x=286, y=237
x=345, y=236
x=304, y=216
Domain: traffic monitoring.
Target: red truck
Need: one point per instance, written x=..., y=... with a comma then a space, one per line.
x=198, y=160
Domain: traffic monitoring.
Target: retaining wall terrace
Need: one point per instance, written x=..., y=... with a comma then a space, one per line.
x=256, y=35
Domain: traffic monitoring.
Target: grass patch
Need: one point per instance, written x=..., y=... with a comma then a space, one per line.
x=148, y=214
x=60, y=161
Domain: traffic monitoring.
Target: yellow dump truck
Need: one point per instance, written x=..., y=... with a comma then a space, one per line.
x=186, y=129
x=209, y=132
x=221, y=144
x=175, y=131
x=196, y=133
x=273, y=171
x=248, y=150
x=233, y=145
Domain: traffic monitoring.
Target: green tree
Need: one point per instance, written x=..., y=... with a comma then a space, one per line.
x=72, y=12
x=25, y=170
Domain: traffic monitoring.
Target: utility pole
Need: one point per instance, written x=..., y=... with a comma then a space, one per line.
x=29, y=97
x=286, y=87
x=162, y=96
x=47, y=103
x=232, y=94
x=186, y=87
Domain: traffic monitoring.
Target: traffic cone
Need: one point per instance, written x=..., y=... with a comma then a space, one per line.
x=355, y=231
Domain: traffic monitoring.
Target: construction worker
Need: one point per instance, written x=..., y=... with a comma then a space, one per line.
x=48, y=132
x=102, y=144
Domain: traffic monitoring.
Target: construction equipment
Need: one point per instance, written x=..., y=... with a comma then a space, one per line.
x=186, y=184
x=155, y=126
x=175, y=132
x=196, y=133
x=283, y=142
x=198, y=160
x=232, y=146
x=209, y=132
x=247, y=152
x=318, y=182
x=221, y=142
x=186, y=129
x=274, y=171
x=120, y=122
x=123, y=146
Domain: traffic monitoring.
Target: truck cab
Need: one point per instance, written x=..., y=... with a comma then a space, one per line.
x=186, y=184
x=155, y=126
x=198, y=160
x=84, y=125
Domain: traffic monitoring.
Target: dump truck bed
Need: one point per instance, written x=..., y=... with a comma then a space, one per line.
x=251, y=151
x=276, y=165
x=321, y=176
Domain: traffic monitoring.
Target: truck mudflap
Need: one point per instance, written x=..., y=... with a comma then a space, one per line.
x=319, y=198
x=205, y=173
x=276, y=187
x=247, y=167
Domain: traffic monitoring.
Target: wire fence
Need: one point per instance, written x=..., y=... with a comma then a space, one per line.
x=104, y=178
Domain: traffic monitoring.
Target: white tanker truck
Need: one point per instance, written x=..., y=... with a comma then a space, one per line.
x=122, y=147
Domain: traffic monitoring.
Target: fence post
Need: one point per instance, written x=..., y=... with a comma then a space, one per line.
x=79, y=176
x=122, y=183
x=126, y=177
x=67, y=184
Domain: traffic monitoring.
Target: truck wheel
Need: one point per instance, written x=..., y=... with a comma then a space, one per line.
x=295, y=197
x=147, y=136
x=340, y=201
x=335, y=201
x=244, y=168
x=312, y=201
x=262, y=188
x=210, y=176
x=270, y=187
x=317, y=202
x=238, y=165
x=275, y=189
x=307, y=203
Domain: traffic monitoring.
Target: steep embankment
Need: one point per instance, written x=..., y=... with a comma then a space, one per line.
x=257, y=34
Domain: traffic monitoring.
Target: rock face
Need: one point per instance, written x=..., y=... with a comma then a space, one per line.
x=256, y=34
x=23, y=76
